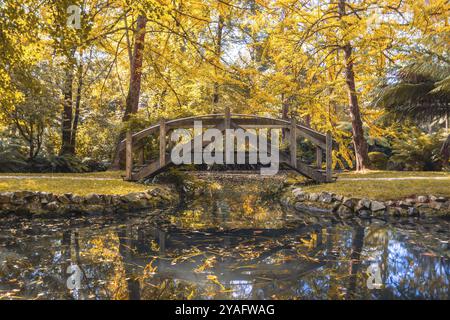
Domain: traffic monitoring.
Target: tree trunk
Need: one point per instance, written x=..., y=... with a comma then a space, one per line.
x=218, y=52
x=359, y=142
x=134, y=91
x=66, y=137
x=132, y=102
x=73, y=137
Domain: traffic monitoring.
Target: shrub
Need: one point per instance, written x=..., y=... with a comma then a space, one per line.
x=416, y=150
x=378, y=160
x=12, y=161
x=94, y=165
x=66, y=164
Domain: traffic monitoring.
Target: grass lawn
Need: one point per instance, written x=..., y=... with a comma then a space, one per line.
x=394, y=174
x=387, y=189
x=77, y=184
x=103, y=174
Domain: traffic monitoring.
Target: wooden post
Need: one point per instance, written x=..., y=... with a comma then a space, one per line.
x=227, y=118
x=129, y=155
x=141, y=159
x=293, y=142
x=162, y=143
x=319, y=157
x=329, y=145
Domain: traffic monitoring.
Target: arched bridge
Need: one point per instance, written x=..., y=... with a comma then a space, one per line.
x=137, y=167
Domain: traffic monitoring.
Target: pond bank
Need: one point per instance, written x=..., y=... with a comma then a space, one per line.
x=349, y=207
x=48, y=204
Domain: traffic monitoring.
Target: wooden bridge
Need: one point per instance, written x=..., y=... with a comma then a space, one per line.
x=138, y=168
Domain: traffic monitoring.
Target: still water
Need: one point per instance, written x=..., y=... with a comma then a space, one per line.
x=235, y=242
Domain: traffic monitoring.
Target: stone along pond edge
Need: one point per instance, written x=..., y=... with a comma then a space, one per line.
x=44, y=203
x=349, y=207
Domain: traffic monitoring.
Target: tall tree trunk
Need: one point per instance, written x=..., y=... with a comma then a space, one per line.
x=132, y=102
x=134, y=91
x=359, y=142
x=218, y=52
x=73, y=137
x=66, y=137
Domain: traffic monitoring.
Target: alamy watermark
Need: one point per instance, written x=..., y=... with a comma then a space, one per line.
x=74, y=18
x=74, y=280
x=374, y=280
x=221, y=149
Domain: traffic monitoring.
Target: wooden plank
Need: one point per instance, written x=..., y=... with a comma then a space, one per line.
x=328, y=157
x=293, y=142
x=129, y=155
x=319, y=157
x=162, y=142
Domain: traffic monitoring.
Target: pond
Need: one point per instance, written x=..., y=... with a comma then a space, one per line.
x=235, y=242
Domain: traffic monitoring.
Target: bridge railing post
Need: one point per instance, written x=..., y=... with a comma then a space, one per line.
x=129, y=156
x=227, y=118
x=319, y=157
x=162, y=143
x=293, y=142
x=328, y=156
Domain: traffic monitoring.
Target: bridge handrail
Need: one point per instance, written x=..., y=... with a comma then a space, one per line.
x=170, y=123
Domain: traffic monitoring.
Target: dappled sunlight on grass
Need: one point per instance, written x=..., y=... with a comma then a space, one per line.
x=75, y=186
x=103, y=174
x=393, y=174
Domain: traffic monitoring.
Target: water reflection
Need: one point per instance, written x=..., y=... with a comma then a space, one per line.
x=229, y=245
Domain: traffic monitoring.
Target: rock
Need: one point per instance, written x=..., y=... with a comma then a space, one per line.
x=5, y=197
x=422, y=199
x=297, y=191
x=53, y=206
x=313, y=197
x=393, y=211
x=377, y=206
x=389, y=203
x=436, y=205
x=409, y=201
x=336, y=205
x=24, y=194
x=64, y=198
x=344, y=212
x=413, y=212
x=350, y=202
x=300, y=195
x=46, y=197
x=404, y=204
x=108, y=199
x=338, y=197
x=325, y=197
x=432, y=198
x=364, y=213
x=93, y=199
x=76, y=199
x=441, y=199
x=363, y=204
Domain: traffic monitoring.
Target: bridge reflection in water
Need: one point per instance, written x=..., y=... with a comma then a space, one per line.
x=233, y=244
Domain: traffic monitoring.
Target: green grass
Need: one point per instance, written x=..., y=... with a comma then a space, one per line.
x=103, y=174
x=59, y=184
x=387, y=189
x=394, y=174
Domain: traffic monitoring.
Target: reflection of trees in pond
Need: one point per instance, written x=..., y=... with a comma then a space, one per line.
x=239, y=210
x=150, y=258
